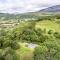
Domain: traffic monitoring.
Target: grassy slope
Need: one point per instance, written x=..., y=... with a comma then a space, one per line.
x=25, y=52
x=48, y=25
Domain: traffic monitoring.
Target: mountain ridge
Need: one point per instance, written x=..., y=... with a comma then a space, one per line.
x=55, y=8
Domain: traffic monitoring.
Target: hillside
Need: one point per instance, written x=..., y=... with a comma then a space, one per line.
x=55, y=8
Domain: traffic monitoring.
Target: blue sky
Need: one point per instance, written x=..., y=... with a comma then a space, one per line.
x=22, y=6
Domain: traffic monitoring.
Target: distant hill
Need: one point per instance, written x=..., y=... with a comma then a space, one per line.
x=55, y=8
x=32, y=15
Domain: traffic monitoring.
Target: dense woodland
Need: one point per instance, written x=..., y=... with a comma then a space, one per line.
x=43, y=31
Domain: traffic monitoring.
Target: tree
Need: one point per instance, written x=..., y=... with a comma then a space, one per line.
x=39, y=53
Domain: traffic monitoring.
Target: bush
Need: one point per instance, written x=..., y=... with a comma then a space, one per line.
x=39, y=53
x=57, y=35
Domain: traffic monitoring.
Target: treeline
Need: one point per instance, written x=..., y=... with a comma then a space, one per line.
x=40, y=16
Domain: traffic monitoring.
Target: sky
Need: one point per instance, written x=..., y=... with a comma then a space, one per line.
x=22, y=6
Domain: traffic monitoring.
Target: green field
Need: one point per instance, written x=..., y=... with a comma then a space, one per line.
x=48, y=25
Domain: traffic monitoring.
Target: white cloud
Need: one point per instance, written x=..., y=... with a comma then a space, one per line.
x=25, y=5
